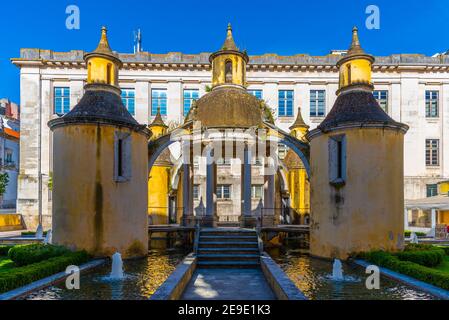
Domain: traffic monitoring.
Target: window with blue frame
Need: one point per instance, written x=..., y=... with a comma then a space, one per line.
x=159, y=101
x=189, y=96
x=129, y=100
x=431, y=104
x=256, y=93
x=285, y=108
x=62, y=100
x=382, y=98
x=317, y=103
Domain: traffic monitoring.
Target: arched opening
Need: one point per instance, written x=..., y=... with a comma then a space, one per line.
x=109, y=73
x=348, y=69
x=228, y=71
x=192, y=195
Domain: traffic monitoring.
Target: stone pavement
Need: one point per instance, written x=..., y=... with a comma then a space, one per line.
x=228, y=284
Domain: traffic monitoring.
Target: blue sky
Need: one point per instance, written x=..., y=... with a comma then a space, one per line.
x=282, y=27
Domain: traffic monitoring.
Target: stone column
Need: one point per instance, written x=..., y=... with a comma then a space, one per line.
x=187, y=185
x=269, y=193
x=405, y=219
x=211, y=191
x=247, y=219
x=434, y=222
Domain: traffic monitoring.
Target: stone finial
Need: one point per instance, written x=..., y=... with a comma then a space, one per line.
x=299, y=122
x=158, y=121
x=103, y=46
x=229, y=43
x=355, y=47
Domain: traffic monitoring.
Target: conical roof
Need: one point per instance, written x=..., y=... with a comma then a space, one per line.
x=299, y=122
x=229, y=43
x=158, y=121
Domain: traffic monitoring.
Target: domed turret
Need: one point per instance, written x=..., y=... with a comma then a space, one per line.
x=356, y=148
x=229, y=104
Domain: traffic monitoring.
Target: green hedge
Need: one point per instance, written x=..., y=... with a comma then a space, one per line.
x=429, y=258
x=446, y=249
x=407, y=234
x=18, y=277
x=31, y=253
x=4, y=250
x=414, y=270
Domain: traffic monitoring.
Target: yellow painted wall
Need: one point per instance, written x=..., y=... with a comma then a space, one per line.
x=368, y=212
x=98, y=70
x=90, y=210
x=158, y=193
x=444, y=187
x=443, y=217
x=238, y=69
x=11, y=222
x=360, y=72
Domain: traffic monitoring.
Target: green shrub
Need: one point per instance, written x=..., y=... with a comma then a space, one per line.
x=428, y=258
x=414, y=270
x=4, y=250
x=446, y=249
x=31, y=253
x=21, y=276
x=408, y=233
x=31, y=233
x=418, y=247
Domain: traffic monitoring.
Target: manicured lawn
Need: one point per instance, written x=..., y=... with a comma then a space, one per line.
x=6, y=264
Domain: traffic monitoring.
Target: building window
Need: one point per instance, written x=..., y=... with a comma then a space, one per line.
x=196, y=192
x=228, y=72
x=128, y=99
x=420, y=218
x=122, y=156
x=382, y=98
x=285, y=108
x=224, y=162
x=317, y=103
x=62, y=100
x=8, y=157
x=223, y=191
x=432, y=190
x=431, y=104
x=159, y=101
x=257, y=191
x=257, y=161
x=256, y=93
x=189, y=96
x=282, y=151
x=432, y=152
x=337, y=159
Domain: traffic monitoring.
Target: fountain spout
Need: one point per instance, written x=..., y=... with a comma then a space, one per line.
x=117, y=267
x=414, y=238
x=337, y=271
x=48, y=237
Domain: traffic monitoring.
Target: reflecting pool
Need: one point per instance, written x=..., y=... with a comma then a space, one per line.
x=314, y=278
x=142, y=278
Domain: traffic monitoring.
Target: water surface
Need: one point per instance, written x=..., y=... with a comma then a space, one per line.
x=312, y=277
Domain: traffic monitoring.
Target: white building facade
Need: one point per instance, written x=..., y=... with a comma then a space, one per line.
x=412, y=89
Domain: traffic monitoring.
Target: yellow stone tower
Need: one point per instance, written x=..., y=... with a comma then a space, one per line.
x=229, y=63
x=100, y=196
x=357, y=176
x=159, y=178
x=298, y=183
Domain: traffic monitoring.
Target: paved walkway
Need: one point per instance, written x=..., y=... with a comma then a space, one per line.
x=228, y=284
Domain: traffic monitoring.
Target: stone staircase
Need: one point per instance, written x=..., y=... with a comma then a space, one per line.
x=228, y=248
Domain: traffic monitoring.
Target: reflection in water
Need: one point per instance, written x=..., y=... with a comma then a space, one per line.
x=143, y=277
x=313, y=278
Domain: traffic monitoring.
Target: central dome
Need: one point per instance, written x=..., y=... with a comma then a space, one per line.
x=230, y=107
